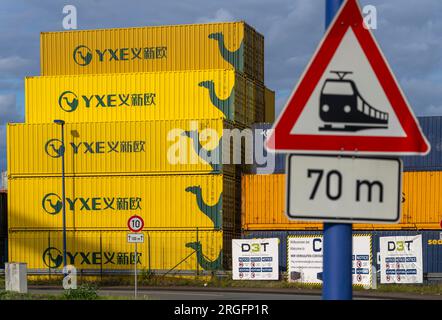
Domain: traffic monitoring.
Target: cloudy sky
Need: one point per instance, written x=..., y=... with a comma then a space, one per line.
x=409, y=32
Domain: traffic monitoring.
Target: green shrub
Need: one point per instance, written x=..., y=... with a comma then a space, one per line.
x=83, y=292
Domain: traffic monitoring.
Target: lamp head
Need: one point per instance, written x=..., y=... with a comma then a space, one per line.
x=60, y=122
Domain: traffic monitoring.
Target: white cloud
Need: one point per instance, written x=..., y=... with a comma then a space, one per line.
x=8, y=64
x=433, y=110
x=221, y=15
x=425, y=96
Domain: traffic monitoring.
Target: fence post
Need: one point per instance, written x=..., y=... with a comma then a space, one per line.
x=197, y=264
x=101, y=255
x=148, y=250
x=49, y=245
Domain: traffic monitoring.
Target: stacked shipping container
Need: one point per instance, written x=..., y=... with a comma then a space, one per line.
x=263, y=204
x=145, y=111
x=263, y=201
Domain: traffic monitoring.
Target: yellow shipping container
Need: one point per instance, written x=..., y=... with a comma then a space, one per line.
x=233, y=45
x=109, y=251
x=203, y=94
x=263, y=204
x=123, y=148
x=106, y=202
x=269, y=113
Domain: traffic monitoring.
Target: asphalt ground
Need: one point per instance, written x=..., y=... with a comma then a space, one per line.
x=212, y=293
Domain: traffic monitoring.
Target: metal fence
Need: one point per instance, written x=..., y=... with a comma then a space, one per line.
x=192, y=251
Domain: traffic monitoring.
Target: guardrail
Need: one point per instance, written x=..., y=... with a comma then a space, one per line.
x=94, y=272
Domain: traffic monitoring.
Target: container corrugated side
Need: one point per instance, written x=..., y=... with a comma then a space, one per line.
x=431, y=244
x=259, y=54
x=106, y=202
x=200, y=94
x=109, y=250
x=269, y=113
x=254, y=110
x=233, y=45
x=119, y=148
x=263, y=204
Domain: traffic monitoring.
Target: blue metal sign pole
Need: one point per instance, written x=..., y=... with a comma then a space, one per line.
x=337, y=247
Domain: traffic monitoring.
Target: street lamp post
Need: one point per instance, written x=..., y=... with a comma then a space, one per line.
x=63, y=149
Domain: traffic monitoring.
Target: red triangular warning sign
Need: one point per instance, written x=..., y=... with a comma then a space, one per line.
x=348, y=100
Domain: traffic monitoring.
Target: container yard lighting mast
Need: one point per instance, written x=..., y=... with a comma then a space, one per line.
x=63, y=190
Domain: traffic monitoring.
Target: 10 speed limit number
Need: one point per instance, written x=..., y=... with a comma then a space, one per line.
x=135, y=224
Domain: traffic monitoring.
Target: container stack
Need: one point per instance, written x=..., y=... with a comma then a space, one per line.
x=145, y=110
x=263, y=202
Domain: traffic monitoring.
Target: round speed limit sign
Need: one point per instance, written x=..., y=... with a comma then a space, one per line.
x=135, y=224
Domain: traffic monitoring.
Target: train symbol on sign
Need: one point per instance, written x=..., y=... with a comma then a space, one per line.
x=342, y=105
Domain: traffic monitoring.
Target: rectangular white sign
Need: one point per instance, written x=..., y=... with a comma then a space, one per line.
x=401, y=259
x=135, y=238
x=305, y=259
x=255, y=259
x=362, y=261
x=344, y=189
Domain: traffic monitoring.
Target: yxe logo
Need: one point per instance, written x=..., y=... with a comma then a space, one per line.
x=52, y=257
x=101, y=147
x=68, y=101
x=52, y=203
x=82, y=55
x=54, y=148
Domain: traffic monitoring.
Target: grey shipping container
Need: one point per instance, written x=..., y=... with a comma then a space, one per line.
x=431, y=127
x=431, y=246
